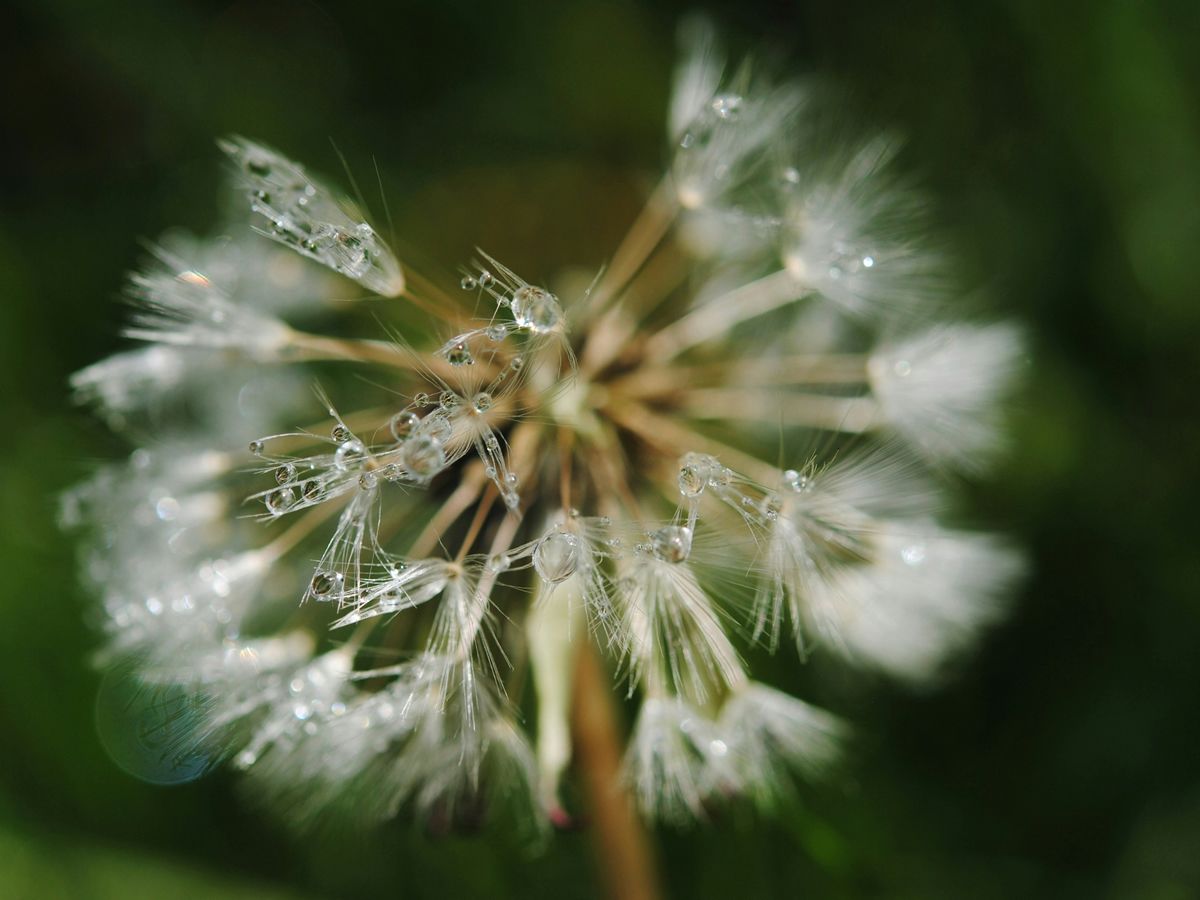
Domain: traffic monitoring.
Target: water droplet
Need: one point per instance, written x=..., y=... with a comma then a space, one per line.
x=797, y=482
x=348, y=455
x=791, y=175
x=536, y=309
x=835, y=272
x=726, y=106
x=325, y=584
x=167, y=509
x=438, y=426
x=280, y=500
x=510, y=478
x=460, y=355
x=257, y=448
x=672, y=543
x=285, y=474
x=482, y=402
x=392, y=472
x=498, y=562
x=485, y=278
x=367, y=480
x=692, y=481
x=312, y=490
x=772, y=504
x=449, y=401
x=517, y=364
x=403, y=423
x=468, y=283
x=421, y=399
x=496, y=333
x=913, y=555
x=424, y=456
x=340, y=433
x=557, y=556
x=868, y=262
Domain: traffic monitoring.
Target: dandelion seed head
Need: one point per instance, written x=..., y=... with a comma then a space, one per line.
x=665, y=469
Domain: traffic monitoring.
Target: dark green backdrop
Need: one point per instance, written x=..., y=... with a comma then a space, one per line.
x=1062, y=143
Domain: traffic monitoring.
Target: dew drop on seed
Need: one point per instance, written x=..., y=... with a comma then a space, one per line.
x=672, y=543
x=367, y=480
x=691, y=481
x=536, y=308
x=257, y=448
x=424, y=456
x=325, y=584
x=348, y=455
x=485, y=279
x=496, y=333
x=517, y=364
x=340, y=433
x=468, y=283
x=868, y=262
x=449, y=401
x=312, y=490
x=392, y=472
x=403, y=423
x=498, y=562
x=285, y=474
x=481, y=402
x=556, y=556
x=280, y=500
x=726, y=106
x=460, y=355
x=791, y=175
x=421, y=399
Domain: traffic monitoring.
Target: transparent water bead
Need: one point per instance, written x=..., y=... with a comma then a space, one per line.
x=468, y=283
x=280, y=500
x=340, y=433
x=726, y=106
x=257, y=448
x=348, y=455
x=798, y=482
x=325, y=584
x=536, y=309
x=672, y=543
x=403, y=424
x=285, y=474
x=460, y=355
x=481, y=402
x=557, y=556
x=424, y=456
x=692, y=480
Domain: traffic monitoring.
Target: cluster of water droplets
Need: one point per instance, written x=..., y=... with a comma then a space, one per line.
x=303, y=215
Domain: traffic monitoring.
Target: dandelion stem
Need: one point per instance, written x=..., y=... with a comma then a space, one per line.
x=622, y=845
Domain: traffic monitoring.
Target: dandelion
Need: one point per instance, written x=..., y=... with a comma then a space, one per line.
x=354, y=581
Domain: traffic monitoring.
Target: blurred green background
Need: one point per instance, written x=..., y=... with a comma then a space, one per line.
x=1062, y=144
